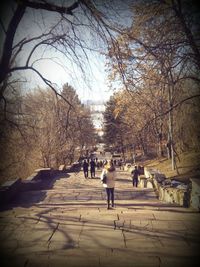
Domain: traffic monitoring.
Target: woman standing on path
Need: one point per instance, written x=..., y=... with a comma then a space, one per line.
x=110, y=173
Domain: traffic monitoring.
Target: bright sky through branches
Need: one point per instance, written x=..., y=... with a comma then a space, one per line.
x=90, y=85
x=77, y=61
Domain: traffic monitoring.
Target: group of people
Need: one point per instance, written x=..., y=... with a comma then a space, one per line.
x=109, y=172
x=108, y=177
x=92, y=164
x=86, y=165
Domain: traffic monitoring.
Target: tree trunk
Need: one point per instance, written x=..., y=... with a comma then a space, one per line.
x=171, y=137
x=143, y=145
x=160, y=149
x=8, y=43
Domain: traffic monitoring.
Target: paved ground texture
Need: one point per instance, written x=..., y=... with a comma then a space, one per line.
x=69, y=225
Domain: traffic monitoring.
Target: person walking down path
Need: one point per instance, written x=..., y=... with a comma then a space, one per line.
x=110, y=173
x=135, y=175
x=85, y=168
x=92, y=168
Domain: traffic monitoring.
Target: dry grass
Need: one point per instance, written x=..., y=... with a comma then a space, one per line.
x=188, y=166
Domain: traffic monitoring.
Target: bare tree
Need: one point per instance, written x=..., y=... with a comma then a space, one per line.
x=59, y=27
x=162, y=39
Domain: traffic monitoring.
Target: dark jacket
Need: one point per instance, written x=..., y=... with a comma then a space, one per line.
x=92, y=165
x=85, y=166
x=135, y=173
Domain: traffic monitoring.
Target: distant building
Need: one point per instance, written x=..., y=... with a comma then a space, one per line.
x=97, y=109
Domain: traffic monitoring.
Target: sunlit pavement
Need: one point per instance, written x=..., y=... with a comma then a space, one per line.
x=69, y=225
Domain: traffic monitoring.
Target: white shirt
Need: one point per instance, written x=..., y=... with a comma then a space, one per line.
x=111, y=177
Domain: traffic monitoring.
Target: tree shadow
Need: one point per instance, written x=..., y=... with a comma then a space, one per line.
x=156, y=206
x=78, y=231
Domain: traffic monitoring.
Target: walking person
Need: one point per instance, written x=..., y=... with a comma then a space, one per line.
x=120, y=164
x=135, y=175
x=85, y=168
x=109, y=173
x=92, y=168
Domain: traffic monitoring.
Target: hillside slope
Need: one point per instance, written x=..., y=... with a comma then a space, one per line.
x=188, y=166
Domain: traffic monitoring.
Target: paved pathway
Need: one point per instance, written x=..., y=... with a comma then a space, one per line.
x=69, y=225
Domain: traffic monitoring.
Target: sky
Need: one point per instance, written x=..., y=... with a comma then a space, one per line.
x=91, y=84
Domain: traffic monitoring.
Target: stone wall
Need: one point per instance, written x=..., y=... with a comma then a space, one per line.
x=168, y=190
x=172, y=191
x=145, y=182
x=9, y=189
x=40, y=179
x=195, y=193
x=37, y=180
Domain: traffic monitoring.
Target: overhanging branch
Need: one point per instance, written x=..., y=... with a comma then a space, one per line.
x=52, y=7
x=169, y=110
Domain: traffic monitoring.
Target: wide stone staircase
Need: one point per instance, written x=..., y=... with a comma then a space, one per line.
x=67, y=224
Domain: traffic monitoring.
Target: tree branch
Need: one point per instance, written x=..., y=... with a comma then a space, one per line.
x=46, y=81
x=170, y=109
x=52, y=7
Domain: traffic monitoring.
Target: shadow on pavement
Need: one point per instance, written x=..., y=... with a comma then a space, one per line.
x=28, y=196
